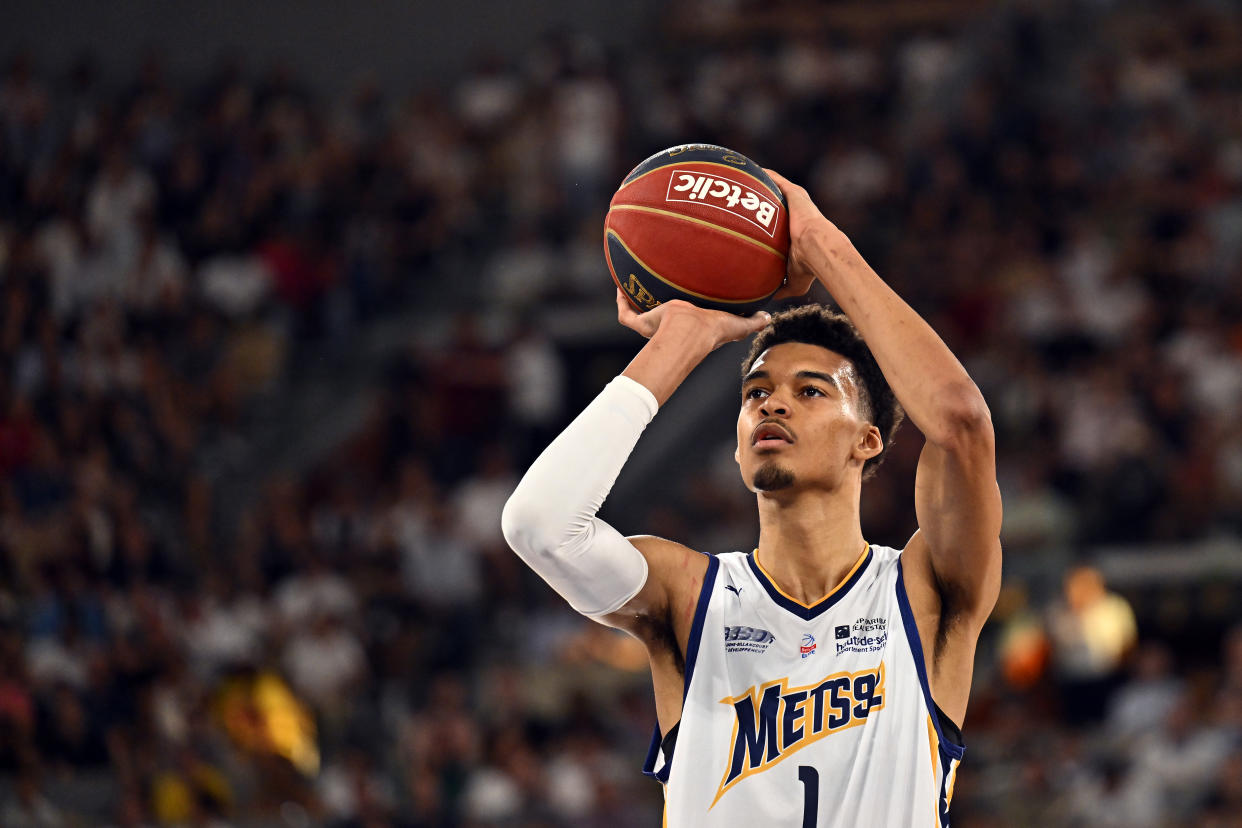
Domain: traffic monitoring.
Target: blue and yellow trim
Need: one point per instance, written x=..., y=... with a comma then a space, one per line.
x=696, y=627
x=809, y=611
x=948, y=753
x=692, y=656
x=954, y=751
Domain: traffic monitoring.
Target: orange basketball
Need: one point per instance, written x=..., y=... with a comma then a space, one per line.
x=701, y=223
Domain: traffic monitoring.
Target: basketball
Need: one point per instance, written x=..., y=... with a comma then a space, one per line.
x=701, y=223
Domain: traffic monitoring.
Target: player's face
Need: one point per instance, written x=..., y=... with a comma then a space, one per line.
x=800, y=423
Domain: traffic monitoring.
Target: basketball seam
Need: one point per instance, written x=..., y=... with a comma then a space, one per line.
x=704, y=222
x=779, y=195
x=676, y=287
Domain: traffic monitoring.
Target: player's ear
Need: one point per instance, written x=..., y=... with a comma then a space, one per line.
x=737, y=454
x=870, y=443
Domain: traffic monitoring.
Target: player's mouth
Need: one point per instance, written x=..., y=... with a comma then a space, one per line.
x=771, y=435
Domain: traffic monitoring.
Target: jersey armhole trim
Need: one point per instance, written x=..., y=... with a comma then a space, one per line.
x=655, y=752
x=953, y=749
x=696, y=627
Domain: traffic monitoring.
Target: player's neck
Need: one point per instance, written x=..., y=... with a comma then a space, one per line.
x=810, y=542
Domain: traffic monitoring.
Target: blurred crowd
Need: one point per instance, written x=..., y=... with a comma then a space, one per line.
x=1056, y=186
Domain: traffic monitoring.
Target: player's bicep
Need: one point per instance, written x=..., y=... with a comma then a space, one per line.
x=958, y=505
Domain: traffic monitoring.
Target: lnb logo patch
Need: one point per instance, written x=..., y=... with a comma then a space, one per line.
x=808, y=645
x=743, y=639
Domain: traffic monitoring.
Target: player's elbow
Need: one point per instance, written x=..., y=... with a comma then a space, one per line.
x=962, y=418
x=530, y=528
x=520, y=524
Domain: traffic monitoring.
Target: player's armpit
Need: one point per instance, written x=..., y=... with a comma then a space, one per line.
x=661, y=616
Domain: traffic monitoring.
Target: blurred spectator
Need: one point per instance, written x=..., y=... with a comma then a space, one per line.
x=190, y=791
x=1149, y=696
x=1111, y=794
x=30, y=808
x=1092, y=631
x=313, y=593
x=353, y=792
x=478, y=502
x=225, y=626
x=441, y=565
x=119, y=195
x=1177, y=758
x=536, y=386
x=325, y=664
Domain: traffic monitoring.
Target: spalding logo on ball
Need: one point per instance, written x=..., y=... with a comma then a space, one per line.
x=701, y=223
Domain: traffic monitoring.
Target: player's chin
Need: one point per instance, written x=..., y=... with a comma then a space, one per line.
x=772, y=477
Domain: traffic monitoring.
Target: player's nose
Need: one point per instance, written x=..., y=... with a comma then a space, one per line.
x=774, y=406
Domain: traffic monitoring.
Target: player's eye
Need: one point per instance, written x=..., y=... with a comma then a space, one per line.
x=754, y=394
x=812, y=391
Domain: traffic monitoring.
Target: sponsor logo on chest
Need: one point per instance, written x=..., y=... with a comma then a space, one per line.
x=866, y=635
x=743, y=639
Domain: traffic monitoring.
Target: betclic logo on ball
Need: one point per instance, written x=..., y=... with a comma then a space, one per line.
x=723, y=194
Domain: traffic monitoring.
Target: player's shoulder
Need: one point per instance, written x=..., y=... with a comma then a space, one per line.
x=678, y=569
x=885, y=554
x=880, y=562
x=675, y=578
x=914, y=559
x=664, y=553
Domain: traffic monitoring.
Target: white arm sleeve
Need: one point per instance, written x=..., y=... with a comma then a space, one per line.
x=550, y=518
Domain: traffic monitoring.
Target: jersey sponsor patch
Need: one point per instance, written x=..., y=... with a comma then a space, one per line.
x=866, y=635
x=807, y=648
x=774, y=720
x=743, y=639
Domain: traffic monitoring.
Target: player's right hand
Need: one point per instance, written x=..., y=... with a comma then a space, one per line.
x=723, y=327
x=804, y=220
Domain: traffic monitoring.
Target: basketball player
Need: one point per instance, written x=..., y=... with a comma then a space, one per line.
x=818, y=680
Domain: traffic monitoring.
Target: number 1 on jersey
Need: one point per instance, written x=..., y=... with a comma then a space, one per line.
x=809, y=777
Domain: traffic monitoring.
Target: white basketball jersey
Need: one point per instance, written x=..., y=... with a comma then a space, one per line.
x=807, y=717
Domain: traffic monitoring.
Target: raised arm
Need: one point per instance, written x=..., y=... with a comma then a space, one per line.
x=956, y=497
x=550, y=520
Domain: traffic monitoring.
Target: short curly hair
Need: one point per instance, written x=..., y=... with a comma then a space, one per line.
x=818, y=325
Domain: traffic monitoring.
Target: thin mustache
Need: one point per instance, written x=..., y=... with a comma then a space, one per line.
x=773, y=422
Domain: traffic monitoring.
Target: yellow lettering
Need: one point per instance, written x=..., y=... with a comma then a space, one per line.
x=640, y=294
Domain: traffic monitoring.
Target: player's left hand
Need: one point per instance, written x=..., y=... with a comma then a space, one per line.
x=804, y=217
x=721, y=327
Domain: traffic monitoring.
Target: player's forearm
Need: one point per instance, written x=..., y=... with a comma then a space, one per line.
x=674, y=350
x=938, y=395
